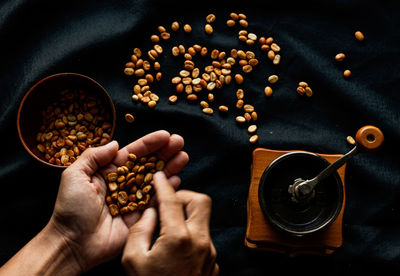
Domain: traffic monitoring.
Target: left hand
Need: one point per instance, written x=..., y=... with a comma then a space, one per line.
x=81, y=215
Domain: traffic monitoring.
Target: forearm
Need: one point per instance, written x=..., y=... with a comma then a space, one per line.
x=46, y=254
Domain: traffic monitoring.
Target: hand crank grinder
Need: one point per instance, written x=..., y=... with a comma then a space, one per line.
x=296, y=198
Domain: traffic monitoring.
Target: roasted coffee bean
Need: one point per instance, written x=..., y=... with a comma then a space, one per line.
x=252, y=128
x=340, y=57
x=208, y=29
x=350, y=140
x=273, y=79
x=347, y=73
x=70, y=124
x=131, y=185
x=173, y=99
x=187, y=28
x=208, y=110
x=210, y=18
x=239, y=78
x=253, y=139
x=268, y=91
x=359, y=35
x=308, y=91
x=175, y=26
x=129, y=118
x=223, y=108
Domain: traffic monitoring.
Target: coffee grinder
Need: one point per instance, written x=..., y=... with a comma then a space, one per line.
x=297, y=198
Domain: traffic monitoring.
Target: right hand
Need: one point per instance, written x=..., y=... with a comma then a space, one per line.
x=184, y=246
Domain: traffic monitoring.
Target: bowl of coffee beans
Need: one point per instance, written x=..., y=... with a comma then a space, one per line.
x=62, y=115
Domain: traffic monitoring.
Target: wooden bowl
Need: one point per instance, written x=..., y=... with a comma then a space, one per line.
x=44, y=93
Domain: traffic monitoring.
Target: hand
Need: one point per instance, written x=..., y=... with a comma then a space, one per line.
x=81, y=215
x=184, y=246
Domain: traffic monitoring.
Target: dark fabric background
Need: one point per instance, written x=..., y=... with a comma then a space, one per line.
x=96, y=38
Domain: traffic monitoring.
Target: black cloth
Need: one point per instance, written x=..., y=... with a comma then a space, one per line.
x=96, y=38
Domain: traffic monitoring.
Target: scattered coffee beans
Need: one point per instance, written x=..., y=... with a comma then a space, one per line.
x=350, y=140
x=129, y=118
x=253, y=139
x=273, y=79
x=187, y=28
x=192, y=79
x=347, y=73
x=359, y=35
x=304, y=89
x=340, y=57
x=268, y=91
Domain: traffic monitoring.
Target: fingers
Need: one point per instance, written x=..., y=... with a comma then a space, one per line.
x=167, y=147
x=169, y=206
x=149, y=143
x=177, y=159
x=198, y=210
x=213, y=258
x=176, y=163
x=197, y=207
x=175, y=181
x=94, y=158
x=215, y=271
x=141, y=233
x=131, y=218
x=210, y=266
x=175, y=144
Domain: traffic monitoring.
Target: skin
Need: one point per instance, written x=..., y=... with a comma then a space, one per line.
x=81, y=233
x=184, y=246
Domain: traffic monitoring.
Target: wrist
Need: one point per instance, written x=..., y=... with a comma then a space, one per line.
x=48, y=253
x=68, y=257
x=61, y=258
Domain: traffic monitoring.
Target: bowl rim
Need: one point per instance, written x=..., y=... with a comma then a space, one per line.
x=21, y=138
x=269, y=214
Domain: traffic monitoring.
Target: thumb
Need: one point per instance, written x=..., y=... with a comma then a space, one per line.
x=141, y=234
x=94, y=158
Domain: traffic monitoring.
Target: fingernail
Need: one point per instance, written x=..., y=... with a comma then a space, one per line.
x=159, y=174
x=149, y=210
x=111, y=144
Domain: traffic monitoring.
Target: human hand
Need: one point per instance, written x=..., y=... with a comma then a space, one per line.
x=184, y=246
x=81, y=215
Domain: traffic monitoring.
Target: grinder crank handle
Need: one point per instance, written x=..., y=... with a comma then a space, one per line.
x=368, y=138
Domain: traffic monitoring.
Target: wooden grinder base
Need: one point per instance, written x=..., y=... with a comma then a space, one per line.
x=261, y=235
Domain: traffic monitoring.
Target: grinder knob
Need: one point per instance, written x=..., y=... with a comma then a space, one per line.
x=369, y=138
